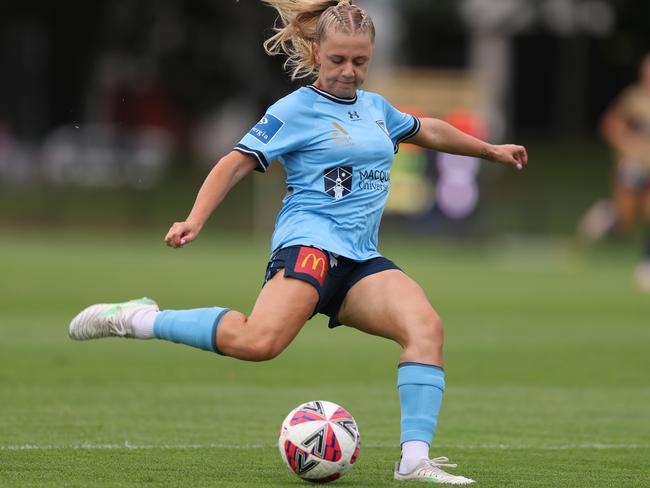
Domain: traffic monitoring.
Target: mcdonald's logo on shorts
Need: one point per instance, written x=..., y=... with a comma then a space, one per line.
x=313, y=262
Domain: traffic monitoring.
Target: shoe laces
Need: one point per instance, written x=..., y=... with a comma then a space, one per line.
x=431, y=468
x=116, y=322
x=117, y=326
x=441, y=462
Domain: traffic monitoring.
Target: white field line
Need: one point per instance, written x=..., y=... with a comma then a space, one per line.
x=128, y=445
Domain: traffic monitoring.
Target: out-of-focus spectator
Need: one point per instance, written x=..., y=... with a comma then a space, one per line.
x=626, y=128
x=457, y=192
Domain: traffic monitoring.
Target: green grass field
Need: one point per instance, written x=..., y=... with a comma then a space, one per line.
x=548, y=368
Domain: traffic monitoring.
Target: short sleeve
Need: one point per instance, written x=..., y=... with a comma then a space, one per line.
x=400, y=126
x=278, y=132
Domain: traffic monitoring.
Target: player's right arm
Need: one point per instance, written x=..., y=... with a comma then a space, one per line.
x=226, y=173
x=615, y=129
x=281, y=130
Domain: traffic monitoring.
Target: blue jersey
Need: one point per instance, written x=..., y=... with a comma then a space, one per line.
x=337, y=154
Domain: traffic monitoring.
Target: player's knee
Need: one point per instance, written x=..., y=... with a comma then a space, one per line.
x=247, y=339
x=433, y=330
x=426, y=333
x=264, y=349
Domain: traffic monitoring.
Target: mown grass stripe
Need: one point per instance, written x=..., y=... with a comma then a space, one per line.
x=127, y=445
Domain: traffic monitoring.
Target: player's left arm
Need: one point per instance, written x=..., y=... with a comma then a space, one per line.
x=440, y=136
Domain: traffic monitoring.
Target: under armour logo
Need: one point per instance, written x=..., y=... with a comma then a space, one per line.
x=354, y=116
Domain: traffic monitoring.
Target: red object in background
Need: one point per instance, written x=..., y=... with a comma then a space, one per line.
x=415, y=112
x=146, y=104
x=467, y=122
x=461, y=119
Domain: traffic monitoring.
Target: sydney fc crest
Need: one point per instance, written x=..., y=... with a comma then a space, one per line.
x=382, y=126
x=338, y=181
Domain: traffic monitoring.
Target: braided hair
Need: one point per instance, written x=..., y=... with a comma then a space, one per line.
x=301, y=23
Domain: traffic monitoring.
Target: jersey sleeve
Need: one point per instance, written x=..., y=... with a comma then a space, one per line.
x=400, y=126
x=278, y=132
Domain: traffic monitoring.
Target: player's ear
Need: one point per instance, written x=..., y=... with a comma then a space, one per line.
x=315, y=49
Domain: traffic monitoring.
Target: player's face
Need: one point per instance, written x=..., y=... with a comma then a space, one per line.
x=344, y=60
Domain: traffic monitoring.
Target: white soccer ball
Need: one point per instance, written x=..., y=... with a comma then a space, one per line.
x=319, y=441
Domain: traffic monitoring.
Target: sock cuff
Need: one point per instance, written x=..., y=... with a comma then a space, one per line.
x=421, y=374
x=195, y=327
x=215, y=326
x=412, y=363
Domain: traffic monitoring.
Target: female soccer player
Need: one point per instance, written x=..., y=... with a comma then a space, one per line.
x=626, y=128
x=336, y=144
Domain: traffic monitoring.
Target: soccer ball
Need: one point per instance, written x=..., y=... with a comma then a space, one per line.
x=319, y=441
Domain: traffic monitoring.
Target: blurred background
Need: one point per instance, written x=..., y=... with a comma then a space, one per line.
x=112, y=112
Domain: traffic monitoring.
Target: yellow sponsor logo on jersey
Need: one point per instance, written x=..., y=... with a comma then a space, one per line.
x=341, y=136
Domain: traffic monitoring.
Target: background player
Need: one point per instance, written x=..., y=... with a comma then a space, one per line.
x=626, y=128
x=325, y=257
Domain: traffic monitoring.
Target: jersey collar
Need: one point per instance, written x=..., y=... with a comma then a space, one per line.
x=333, y=98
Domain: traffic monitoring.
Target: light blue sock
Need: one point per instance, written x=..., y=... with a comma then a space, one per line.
x=420, y=389
x=196, y=327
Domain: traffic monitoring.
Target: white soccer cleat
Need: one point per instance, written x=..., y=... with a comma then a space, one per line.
x=108, y=319
x=428, y=471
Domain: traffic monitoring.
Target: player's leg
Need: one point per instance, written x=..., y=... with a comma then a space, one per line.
x=625, y=204
x=282, y=308
x=391, y=305
x=643, y=269
x=598, y=221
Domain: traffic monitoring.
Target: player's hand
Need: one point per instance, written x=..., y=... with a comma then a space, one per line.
x=509, y=154
x=182, y=233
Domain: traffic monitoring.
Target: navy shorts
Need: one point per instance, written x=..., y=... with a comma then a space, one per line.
x=331, y=275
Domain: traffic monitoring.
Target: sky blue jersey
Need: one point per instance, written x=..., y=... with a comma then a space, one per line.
x=337, y=154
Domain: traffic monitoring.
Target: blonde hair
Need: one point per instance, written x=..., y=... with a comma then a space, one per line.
x=301, y=23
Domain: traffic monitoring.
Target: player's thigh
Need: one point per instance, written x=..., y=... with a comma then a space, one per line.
x=282, y=308
x=390, y=304
x=284, y=305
